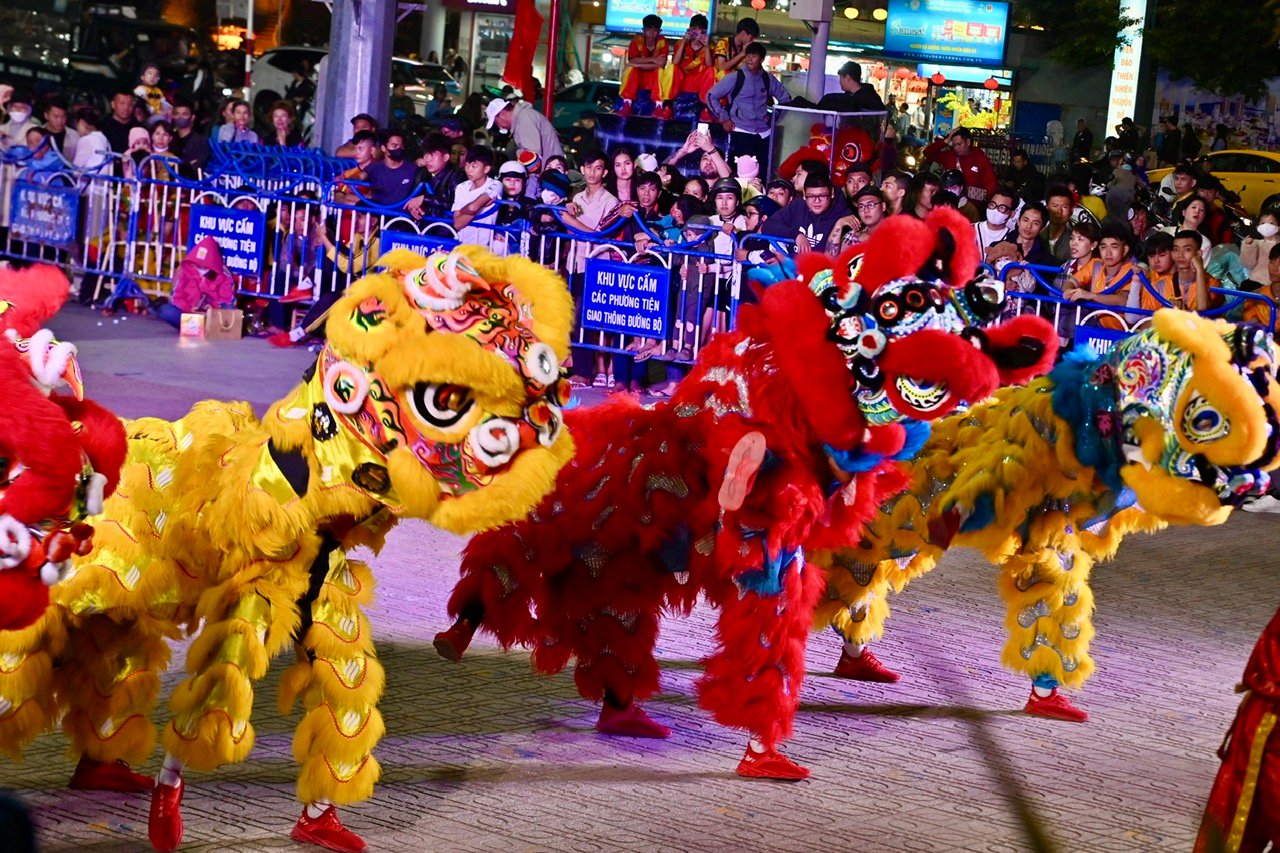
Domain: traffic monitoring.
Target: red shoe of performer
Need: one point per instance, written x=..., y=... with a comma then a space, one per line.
x=630, y=721
x=770, y=764
x=165, y=826
x=626, y=109
x=663, y=112
x=93, y=775
x=1055, y=706
x=326, y=831
x=298, y=294
x=452, y=643
x=282, y=340
x=865, y=667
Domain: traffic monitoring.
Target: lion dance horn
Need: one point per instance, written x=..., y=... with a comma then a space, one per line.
x=444, y=282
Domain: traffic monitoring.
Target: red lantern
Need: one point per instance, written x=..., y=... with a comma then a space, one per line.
x=618, y=51
x=938, y=78
x=879, y=73
x=903, y=73
x=757, y=4
x=991, y=83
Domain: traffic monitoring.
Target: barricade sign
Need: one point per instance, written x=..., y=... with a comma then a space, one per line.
x=45, y=214
x=423, y=244
x=1102, y=340
x=626, y=298
x=241, y=235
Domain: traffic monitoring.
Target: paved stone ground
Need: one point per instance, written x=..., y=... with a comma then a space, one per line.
x=484, y=755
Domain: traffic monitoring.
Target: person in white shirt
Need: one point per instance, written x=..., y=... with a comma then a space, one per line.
x=14, y=131
x=474, y=196
x=93, y=149
x=1000, y=210
x=726, y=195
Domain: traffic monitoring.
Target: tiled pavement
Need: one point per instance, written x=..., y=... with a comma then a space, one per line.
x=484, y=755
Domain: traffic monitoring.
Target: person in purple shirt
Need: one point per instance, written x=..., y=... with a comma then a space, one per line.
x=391, y=179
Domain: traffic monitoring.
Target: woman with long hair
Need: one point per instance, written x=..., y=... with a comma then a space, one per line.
x=284, y=131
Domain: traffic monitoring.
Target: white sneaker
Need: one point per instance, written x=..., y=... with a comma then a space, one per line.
x=1266, y=503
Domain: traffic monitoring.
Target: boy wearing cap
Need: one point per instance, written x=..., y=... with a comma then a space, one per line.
x=646, y=57
x=436, y=180
x=474, y=196
x=514, y=209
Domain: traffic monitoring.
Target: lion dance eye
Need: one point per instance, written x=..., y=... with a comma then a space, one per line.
x=440, y=406
x=541, y=364
x=1202, y=423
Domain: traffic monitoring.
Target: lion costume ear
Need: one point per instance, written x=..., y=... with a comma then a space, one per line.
x=956, y=252
x=898, y=248
x=368, y=320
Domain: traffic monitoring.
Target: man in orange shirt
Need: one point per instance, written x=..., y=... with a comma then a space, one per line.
x=1260, y=312
x=729, y=52
x=693, y=71
x=1187, y=285
x=646, y=57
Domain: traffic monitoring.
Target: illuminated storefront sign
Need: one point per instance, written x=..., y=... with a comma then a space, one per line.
x=957, y=32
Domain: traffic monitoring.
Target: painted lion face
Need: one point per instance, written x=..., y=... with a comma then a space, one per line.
x=439, y=391
x=1198, y=403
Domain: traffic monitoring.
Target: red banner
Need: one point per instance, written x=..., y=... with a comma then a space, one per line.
x=524, y=41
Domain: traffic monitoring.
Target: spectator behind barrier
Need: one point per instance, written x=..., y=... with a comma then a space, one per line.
x=189, y=146
x=239, y=130
x=474, y=196
x=435, y=182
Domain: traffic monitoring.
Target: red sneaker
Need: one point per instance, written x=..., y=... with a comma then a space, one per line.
x=626, y=109
x=281, y=340
x=93, y=775
x=770, y=764
x=865, y=667
x=452, y=643
x=1055, y=706
x=165, y=826
x=630, y=721
x=326, y=831
x=298, y=294
x=663, y=112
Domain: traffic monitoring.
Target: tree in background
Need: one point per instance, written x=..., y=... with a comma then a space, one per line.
x=1228, y=48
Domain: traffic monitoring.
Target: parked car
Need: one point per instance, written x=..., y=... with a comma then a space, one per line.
x=579, y=99
x=1252, y=175
x=273, y=72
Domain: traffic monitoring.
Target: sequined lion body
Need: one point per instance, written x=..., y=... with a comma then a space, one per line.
x=436, y=396
x=1175, y=426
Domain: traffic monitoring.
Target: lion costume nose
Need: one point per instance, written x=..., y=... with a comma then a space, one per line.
x=495, y=442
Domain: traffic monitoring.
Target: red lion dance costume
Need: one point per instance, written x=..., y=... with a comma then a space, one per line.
x=782, y=438
x=1244, y=808
x=59, y=455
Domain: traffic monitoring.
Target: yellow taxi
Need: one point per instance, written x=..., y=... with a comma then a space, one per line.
x=1252, y=175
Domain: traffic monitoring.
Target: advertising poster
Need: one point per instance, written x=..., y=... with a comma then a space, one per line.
x=241, y=235
x=625, y=15
x=959, y=32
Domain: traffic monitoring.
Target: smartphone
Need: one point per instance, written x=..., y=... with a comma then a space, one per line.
x=704, y=128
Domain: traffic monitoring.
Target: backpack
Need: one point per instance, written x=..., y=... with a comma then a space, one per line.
x=741, y=81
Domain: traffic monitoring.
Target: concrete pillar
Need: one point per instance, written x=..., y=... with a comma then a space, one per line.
x=358, y=68
x=433, y=20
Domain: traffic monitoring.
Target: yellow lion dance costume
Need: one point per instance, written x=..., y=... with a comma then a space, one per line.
x=1175, y=426
x=436, y=396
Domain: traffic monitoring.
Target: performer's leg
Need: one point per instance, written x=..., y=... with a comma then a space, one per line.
x=856, y=606
x=29, y=705
x=1049, y=620
x=340, y=683
x=110, y=676
x=753, y=679
x=212, y=706
x=499, y=578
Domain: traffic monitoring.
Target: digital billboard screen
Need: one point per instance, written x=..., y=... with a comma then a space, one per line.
x=624, y=16
x=957, y=32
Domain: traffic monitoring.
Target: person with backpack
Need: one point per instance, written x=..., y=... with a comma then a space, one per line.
x=741, y=102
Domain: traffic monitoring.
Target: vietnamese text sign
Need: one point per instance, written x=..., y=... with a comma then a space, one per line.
x=626, y=15
x=423, y=244
x=1102, y=340
x=1123, y=100
x=240, y=235
x=44, y=214
x=625, y=298
x=959, y=32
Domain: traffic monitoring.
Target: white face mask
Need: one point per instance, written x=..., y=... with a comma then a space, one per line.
x=996, y=218
x=19, y=116
x=1268, y=230
x=550, y=197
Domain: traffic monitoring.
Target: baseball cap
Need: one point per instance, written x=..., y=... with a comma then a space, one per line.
x=512, y=169
x=779, y=183
x=366, y=117
x=727, y=185
x=496, y=106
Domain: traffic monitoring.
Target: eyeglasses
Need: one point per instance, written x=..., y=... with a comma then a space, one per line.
x=812, y=197
x=871, y=205
x=1003, y=208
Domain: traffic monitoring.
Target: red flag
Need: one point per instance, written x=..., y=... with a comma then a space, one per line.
x=524, y=41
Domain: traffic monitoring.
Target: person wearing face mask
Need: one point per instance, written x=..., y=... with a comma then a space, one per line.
x=391, y=178
x=1000, y=209
x=14, y=132
x=1255, y=252
x=189, y=145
